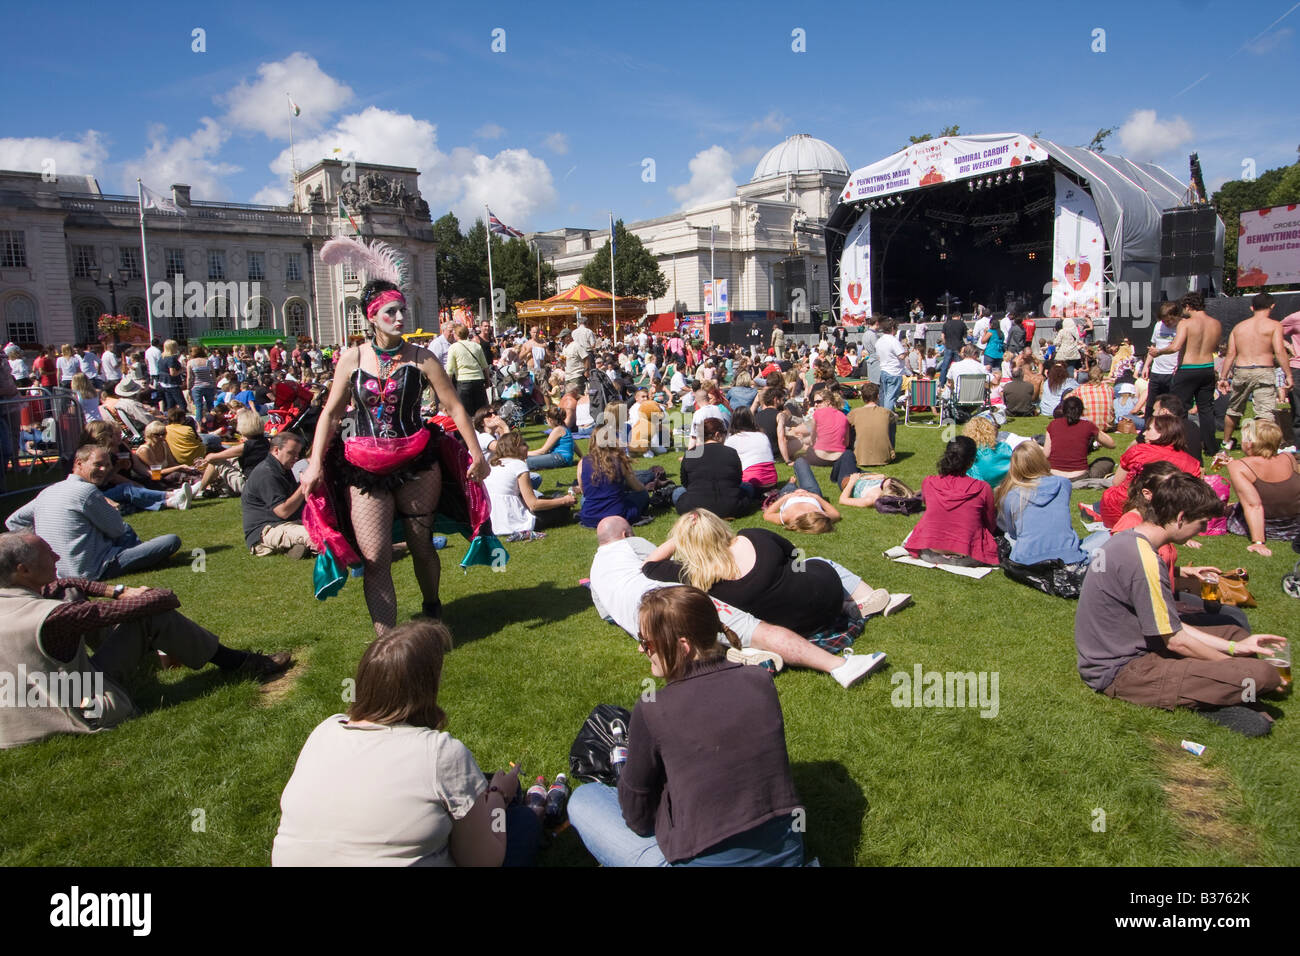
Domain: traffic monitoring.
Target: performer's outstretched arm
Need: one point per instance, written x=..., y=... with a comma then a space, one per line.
x=335, y=405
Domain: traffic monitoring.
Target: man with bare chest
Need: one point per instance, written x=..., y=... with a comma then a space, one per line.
x=1255, y=349
x=1196, y=342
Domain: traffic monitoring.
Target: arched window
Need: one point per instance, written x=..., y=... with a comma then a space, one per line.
x=220, y=312
x=259, y=315
x=138, y=312
x=88, y=313
x=178, y=328
x=356, y=320
x=295, y=317
x=20, y=320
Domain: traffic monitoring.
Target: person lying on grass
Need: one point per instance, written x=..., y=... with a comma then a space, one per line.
x=1131, y=643
x=619, y=583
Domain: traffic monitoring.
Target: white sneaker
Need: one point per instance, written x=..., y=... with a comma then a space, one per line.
x=196, y=488
x=184, y=495
x=173, y=499
x=856, y=667
x=896, y=603
x=874, y=603
x=753, y=655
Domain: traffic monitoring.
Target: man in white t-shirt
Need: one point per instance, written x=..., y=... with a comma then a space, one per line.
x=618, y=585
x=981, y=326
x=441, y=345
x=969, y=364
x=893, y=366
x=584, y=337
x=152, y=356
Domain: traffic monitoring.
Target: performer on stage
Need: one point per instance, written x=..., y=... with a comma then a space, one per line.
x=389, y=462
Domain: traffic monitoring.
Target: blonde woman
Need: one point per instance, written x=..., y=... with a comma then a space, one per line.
x=1267, y=486
x=757, y=571
x=155, y=459
x=1033, y=508
x=171, y=376
x=68, y=366
x=87, y=397
x=992, y=457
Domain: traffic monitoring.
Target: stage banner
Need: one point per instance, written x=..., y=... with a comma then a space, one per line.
x=1268, y=247
x=943, y=160
x=855, y=273
x=1078, y=253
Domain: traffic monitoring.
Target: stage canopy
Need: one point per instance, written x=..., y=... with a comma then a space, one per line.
x=596, y=306
x=997, y=217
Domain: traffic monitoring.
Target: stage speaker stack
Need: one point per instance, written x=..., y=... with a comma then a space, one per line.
x=1187, y=241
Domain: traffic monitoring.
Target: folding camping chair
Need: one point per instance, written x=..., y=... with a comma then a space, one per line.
x=970, y=394
x=922, y=393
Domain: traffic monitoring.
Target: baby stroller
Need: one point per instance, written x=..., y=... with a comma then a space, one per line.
x=1291, y=582
x=521, y=403
x=292, y=405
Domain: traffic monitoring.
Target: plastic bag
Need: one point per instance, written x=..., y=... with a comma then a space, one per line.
x=589, y=755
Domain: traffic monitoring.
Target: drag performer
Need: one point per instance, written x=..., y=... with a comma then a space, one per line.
x=389, y=463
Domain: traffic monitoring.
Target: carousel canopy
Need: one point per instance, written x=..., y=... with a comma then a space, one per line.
x=583, y=300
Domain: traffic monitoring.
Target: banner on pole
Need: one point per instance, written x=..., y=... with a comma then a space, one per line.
x=1268, y=246
x=855, y=273
x=1078, y=253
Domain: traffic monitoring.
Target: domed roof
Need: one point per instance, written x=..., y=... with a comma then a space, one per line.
x=800, y=153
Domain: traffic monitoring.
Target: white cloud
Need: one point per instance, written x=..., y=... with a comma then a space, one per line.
x=515, y=182
x=189, y=159
x=557, y=143
x=1269, y=42
x=773, y=122
x=711, y=178
x=262, y=106
x=1144, y=137
x=83, y=156
x=489, y=131
x=273, y=194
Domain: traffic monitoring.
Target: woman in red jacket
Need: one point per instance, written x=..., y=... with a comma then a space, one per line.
x=1165, y=441
x=959, y=518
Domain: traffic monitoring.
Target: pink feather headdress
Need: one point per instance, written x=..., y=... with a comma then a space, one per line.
x=371, y=260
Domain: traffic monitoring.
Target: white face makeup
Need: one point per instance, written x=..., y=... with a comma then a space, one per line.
x=390, y=318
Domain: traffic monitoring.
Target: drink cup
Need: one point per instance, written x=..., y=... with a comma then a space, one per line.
x=155, y=473
x=1281, y=659
x=1210, y=589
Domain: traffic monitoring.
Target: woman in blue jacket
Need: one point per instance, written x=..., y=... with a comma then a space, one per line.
x=1034, y=510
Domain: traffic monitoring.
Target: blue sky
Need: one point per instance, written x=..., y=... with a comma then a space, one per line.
x=554, y=130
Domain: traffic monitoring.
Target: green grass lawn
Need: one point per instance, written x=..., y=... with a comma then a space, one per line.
x=882, y=785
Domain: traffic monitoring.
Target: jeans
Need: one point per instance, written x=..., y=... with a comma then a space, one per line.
x=596, y=815
x=136, y=497
x=172, y=397
x=549, y=460
x=142, y=555
x=205, y=399
x=949, y=356
x=890, y=386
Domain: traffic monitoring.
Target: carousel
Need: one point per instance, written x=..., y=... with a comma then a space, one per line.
x=599, y=309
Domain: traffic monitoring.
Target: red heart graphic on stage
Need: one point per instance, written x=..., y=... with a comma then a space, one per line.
x=1076, y=273
x=855, y=291
x=1015, y=160
x=1016, y=143
x=1265, y=212
x=1291, y=208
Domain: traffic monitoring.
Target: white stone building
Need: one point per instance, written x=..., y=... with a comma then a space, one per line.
x=766, y=241
x=55, y=237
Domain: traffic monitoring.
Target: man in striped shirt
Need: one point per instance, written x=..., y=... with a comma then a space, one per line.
x=1130, y=641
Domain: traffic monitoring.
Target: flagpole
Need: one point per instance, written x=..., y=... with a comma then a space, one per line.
x=492, y=295
x=613, y=296
x=293, y=158
x=144, y=252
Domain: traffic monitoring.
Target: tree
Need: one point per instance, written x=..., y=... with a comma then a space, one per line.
x=636, y=270
x=454, y=280
x=1234, y=198
x=950, y=131
x=926, y=137
x=514, y=267
x=1098, y=139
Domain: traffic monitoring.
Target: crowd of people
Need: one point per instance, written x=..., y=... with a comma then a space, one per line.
x=732, y=418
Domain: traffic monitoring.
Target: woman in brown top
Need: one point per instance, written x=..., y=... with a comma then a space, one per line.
x=1267, y=487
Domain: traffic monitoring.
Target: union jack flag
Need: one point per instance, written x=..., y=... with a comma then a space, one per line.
x=501, y=229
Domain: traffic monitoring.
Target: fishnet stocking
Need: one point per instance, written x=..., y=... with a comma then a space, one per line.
x=372, y=524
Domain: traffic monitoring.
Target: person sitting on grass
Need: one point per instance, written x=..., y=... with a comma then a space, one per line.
x=226, y=472
x=517, y=513
x=119, y=486
x=712, y=476
x=873, y=428
x=647, y=437
x=608, y=484
x=992, y=457
x=959, y=519
x=1034, y=510
x=756, y=570
x=1069, y=439
x=619, y=582
x=757, y=463
x=385, y=785
x=183, y=438
x=272, y=502
x=488, y=426
x=707, y=780
x=559, y=449
x=1131, y=643
x=49, y=620
x=1267, y=486
x=155, y=457
x=1164, y=442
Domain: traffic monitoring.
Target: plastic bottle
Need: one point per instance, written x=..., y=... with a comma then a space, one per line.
x=618, y=752
x=557, y=797
x=535, y=799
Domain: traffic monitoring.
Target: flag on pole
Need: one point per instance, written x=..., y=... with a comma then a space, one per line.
x=495, y=225
x=153, y=200
x=293, y=107
x=344, y=214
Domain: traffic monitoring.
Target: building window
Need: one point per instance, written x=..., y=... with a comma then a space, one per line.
x=349, y=273
x=260, y=316
x=83, y=260
x=175, y=263
x=356, y=320
x=20, y=320
x=178, y=328
x=137, y=310
x=256, y=267
x=13, y=250
x=295, y=318
x=293, y=267
x=129, y=259
x=88, y=313
x=221, y=313
x=216, y=265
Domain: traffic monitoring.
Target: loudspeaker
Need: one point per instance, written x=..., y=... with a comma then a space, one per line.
x=1187, y=241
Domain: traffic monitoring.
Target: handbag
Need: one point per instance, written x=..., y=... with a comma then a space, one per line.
x=589, y=755
x=900, y=504
x=1233, y=589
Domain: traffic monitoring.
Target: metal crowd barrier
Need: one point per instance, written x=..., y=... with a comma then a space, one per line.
x=40, y=429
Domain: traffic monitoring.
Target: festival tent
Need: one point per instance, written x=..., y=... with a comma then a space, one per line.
x=595, y=305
